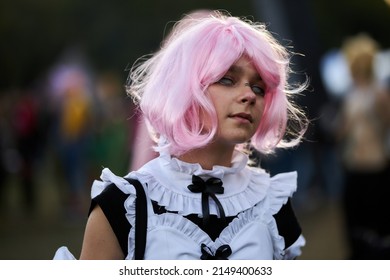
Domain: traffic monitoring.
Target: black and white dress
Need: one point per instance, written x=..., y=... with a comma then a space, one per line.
x=237, y=212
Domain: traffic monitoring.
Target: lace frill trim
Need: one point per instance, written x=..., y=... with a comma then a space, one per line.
x=177, y=223
x=282, y=187
x=279, y=188
x=190, y=203
x=107, y=178
x=239, y=162
x=259, y=184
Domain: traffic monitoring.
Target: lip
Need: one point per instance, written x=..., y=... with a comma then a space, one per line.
x=243, y=116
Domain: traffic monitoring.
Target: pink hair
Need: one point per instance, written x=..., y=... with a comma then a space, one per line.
x=171, y=86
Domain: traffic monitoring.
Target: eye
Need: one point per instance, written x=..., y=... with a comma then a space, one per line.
x=226, y=81
x=258, y=90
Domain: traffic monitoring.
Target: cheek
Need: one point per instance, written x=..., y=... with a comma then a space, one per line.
x=221, y=112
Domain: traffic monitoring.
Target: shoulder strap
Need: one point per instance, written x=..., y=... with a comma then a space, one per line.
x=141, y=219
x=111, y=201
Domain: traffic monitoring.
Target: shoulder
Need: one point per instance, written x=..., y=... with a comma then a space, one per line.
x=113, y=198
x=100, y=241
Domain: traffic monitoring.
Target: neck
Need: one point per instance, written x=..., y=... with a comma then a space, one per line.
x=209, y=156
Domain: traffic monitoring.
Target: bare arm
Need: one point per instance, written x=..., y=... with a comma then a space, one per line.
x=100, y=242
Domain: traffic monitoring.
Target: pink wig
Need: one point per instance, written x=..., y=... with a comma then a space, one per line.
x=171, y=86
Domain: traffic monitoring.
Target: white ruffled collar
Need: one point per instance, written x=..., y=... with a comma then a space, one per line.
x=167, y=179
x=239, y=162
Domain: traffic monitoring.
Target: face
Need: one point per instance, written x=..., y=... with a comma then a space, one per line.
x=238, y=98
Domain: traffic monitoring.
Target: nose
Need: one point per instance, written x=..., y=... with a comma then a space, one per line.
x=247, y=95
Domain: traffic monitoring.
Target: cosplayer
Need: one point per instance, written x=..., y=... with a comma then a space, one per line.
x=215, y=91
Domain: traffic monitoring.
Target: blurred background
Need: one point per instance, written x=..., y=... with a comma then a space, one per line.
x=64, y=113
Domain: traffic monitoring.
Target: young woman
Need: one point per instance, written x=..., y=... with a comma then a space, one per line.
x=216, y=90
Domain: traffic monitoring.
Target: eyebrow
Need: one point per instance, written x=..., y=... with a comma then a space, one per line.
x=238, y=70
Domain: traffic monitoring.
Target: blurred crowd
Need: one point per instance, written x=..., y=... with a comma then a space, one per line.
x=79, y=119
x=83, y=121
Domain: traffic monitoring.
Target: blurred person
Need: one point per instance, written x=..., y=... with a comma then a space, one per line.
x=216, y=89
x=112, y=129
x=25, y=126
x=364, y=124
x=72, y=111
x=73, y=137
x=329, y=152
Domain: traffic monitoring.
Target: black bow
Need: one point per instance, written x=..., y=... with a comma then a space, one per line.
x=208, y=189
x=222, y=253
